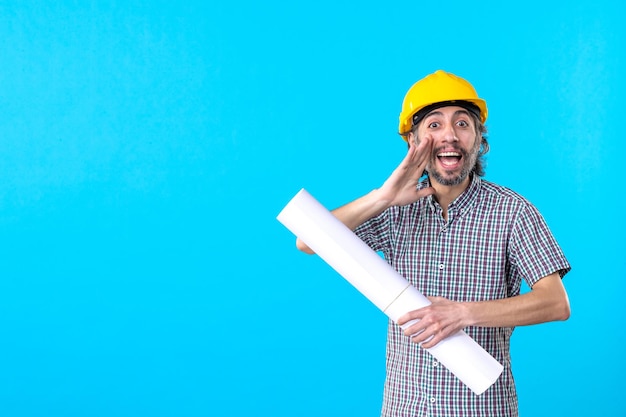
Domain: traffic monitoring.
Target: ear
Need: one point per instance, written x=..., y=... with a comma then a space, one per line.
x=412, y=138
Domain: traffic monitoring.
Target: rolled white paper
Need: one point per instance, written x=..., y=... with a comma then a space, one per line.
x=336, y=244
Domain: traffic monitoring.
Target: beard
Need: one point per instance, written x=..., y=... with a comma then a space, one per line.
x=469, y=163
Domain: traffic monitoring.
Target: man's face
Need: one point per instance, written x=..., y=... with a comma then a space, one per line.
x=455, y=144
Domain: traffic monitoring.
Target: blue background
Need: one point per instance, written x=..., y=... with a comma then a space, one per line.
x=147, y=147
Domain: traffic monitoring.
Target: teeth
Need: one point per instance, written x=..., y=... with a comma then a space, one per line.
x=448, y=154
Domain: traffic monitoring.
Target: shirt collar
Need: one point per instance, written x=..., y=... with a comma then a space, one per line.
x=467, y=197
x=464, y=201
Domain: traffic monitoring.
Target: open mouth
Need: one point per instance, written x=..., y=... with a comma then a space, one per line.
x=449, y=159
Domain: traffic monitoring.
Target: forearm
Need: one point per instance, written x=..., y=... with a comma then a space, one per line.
x=355, y=213
x=398, y=190
x=362, y=209
x=546, y=302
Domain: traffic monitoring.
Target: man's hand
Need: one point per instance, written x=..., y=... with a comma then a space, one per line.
x=546, y=302
x=400, y=188
x=434, y=322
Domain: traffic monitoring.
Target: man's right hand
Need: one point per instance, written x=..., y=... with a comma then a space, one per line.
x=399, y=189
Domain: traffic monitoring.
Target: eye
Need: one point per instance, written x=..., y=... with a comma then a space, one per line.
x=462, y=123
x=433, y=125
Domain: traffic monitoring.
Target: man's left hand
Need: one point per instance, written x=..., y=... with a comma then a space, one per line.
x=434, y=322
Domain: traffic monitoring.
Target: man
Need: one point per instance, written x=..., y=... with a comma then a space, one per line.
x=465, y=243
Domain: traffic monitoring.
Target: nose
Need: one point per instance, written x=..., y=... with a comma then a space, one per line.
x=449, y=134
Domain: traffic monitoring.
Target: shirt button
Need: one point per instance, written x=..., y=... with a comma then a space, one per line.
x=433, y=399
x=435, y=364
x=440, y=266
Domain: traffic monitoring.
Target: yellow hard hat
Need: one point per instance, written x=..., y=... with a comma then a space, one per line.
x=436, y=90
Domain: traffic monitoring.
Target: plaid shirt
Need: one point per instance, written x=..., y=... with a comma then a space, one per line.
x=492, y=240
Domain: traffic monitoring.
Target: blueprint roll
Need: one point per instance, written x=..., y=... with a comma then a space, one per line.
x=373, y=277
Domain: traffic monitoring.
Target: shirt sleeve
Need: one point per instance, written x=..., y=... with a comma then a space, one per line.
x=534, y=250
x=375, y=232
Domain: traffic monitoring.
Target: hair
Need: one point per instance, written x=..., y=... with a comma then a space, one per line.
x=481, y=162
x=481, y=129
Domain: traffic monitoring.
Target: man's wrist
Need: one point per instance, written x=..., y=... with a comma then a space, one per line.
x=378, y=200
